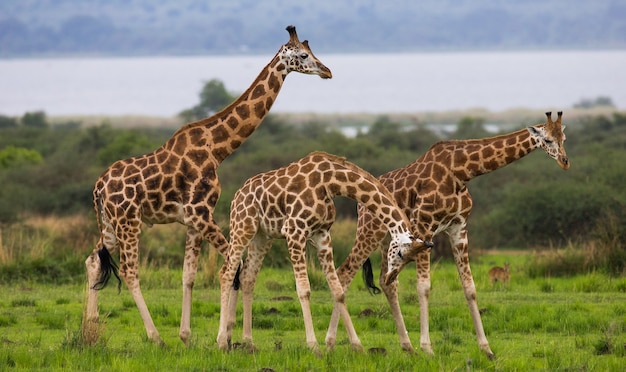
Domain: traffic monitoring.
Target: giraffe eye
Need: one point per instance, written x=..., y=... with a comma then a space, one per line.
x=547, y=141
x=304, y=56
x=400, y=255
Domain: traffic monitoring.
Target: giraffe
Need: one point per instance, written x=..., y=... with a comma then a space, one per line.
x=433, y=193
x=295, y=203
x=178, y=183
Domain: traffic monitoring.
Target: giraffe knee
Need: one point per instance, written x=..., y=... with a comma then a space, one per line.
x=341, y=297
x=304, y=295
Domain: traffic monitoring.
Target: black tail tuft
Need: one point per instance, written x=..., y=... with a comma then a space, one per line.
x=236, y=281
x=107, y=266
x=368, y=277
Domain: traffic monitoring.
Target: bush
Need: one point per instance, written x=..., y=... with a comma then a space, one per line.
x=548, y=214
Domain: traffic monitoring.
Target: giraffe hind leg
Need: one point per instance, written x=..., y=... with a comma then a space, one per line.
x=100, y=265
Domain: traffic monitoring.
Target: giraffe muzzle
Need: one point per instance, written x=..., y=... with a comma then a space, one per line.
x=325, y=72
x=564, y=162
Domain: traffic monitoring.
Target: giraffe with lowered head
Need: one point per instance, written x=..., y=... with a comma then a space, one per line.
x=295, y=203
x=178, y=182
x=433, y=193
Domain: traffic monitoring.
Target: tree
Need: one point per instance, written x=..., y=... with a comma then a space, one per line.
x=35, y=119
x=213, y=98
x=469, y=128
x=7, y=122
x=124, y=145
x=12, y=156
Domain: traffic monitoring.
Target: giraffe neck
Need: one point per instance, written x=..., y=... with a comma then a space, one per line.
x=359, y=185
x=472, y=158
x=228, y=129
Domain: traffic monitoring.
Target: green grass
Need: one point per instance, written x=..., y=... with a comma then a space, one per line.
x=576, y=323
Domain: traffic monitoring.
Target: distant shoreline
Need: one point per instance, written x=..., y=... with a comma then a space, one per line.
x=508, y=118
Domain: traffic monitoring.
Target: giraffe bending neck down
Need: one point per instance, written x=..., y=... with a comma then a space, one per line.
x=433, y=193
x=296, y=203
x=178, y=183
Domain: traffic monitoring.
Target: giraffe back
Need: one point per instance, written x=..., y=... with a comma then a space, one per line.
x=305, y=189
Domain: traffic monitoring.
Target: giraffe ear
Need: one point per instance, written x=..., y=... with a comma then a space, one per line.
x=534, y=131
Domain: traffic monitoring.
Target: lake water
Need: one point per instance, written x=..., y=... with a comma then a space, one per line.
x=372, y=83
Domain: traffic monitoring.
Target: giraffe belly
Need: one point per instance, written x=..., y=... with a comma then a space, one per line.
x=271, y=230
x=172, y=213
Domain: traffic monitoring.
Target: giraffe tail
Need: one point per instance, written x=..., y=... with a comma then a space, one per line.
x=236, y=280
x=107, y=266
x=368, y=277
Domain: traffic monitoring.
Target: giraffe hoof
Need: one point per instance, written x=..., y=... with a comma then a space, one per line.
x=185, y=337
x=487, y=350
x=246, y=346
x=427, y=349
x=330, y=344
x=316, y=351
x=409, y=349
x=358, y=348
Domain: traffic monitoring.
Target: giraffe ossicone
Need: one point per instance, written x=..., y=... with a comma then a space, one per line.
x=295, y=203
x=178, y=183
x=432, y=191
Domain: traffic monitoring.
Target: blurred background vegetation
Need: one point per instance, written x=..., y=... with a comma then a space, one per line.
x=47, y=171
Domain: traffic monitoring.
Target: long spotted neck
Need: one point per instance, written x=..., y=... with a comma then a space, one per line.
x=359, y=185
x=228, y=129
x=473, y=158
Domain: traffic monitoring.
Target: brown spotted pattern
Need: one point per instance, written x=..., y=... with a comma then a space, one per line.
x=178, y=183
x=432, y=192
x=295, y=203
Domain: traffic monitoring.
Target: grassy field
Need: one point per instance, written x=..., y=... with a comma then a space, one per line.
x=574, y=324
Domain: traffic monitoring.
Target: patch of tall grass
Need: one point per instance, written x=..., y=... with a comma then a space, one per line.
x=606, y=252
x=53, y=250
x=46, y=249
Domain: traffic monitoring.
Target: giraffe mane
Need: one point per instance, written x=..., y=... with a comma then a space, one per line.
x=340, y=159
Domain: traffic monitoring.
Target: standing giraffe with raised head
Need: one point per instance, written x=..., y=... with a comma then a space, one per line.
x=178, y=183
x=295, y=203
x=433, y=193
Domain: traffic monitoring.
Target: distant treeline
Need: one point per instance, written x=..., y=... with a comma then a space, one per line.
x=50, y=170
x=147, y=27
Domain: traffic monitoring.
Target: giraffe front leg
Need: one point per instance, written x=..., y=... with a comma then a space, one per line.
x=331, y=334
x=303, y=288
x=391, y=293
x=190, y=268
x=423, y=292
x=458, y=240
x=325, y=256
x=297, y=255
x=345, y=273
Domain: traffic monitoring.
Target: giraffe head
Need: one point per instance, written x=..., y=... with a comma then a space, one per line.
x=551, y=137
x=297, y=56
x=402, y=250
